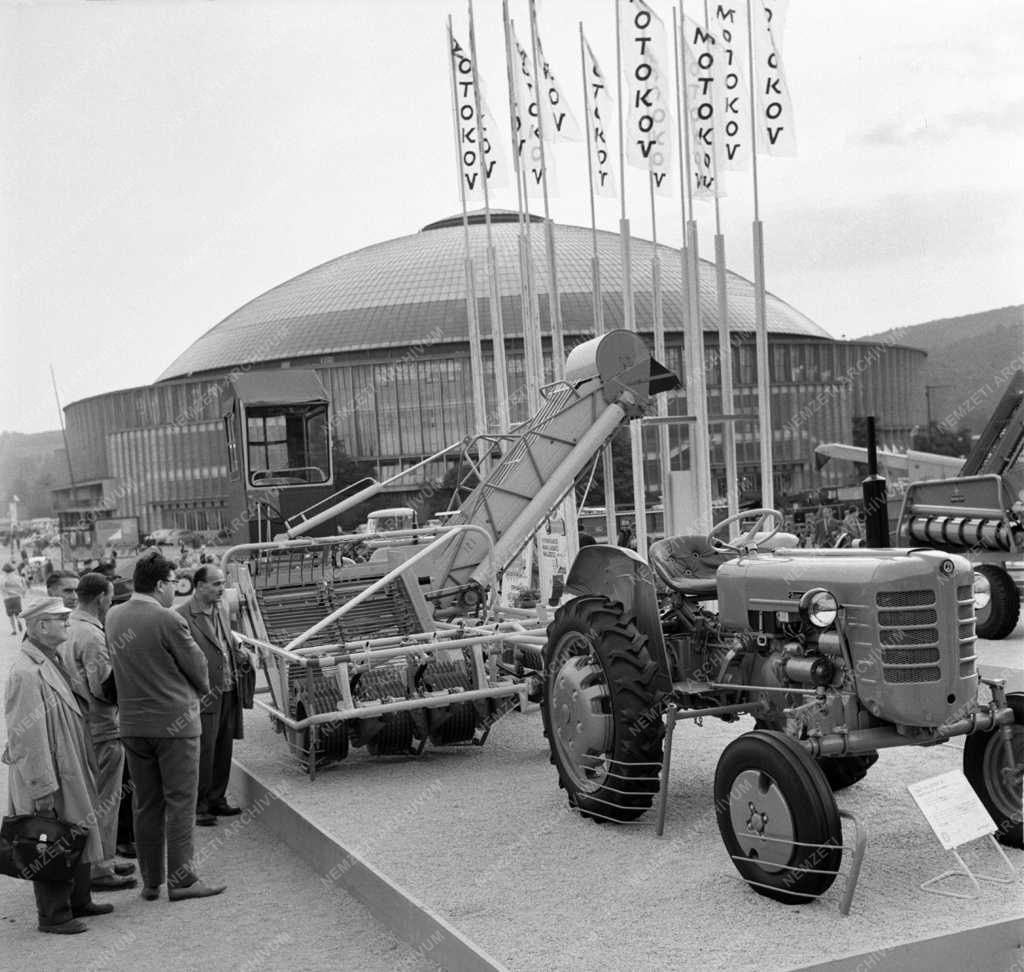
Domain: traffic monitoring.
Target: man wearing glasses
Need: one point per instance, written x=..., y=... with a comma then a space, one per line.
x=47, y=752
x=161, y=676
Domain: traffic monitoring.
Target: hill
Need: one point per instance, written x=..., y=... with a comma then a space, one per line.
x=29, y=466
x=969, y=359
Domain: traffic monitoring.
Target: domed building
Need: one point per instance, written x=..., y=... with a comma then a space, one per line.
x=385, y=327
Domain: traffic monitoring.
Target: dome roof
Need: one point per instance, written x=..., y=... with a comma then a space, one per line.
x=392, y=294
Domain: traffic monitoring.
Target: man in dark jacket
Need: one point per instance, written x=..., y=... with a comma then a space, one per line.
x=160, y=674
x=229, y=669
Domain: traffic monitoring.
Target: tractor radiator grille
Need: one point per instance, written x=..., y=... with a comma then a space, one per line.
x=965, y=625
x=909, y=616
x=904, y=675
x=897, y=599
x=908, y=653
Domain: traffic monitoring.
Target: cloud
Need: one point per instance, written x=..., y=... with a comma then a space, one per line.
x=1002, y=119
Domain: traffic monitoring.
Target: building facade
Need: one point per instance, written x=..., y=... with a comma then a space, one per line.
x=386, y=328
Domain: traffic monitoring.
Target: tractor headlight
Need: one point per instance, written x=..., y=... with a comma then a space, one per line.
x=819, y=608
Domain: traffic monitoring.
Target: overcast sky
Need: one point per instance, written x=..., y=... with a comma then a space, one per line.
x=164, y=163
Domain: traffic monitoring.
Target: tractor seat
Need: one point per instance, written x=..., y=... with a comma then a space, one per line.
x=689, y=565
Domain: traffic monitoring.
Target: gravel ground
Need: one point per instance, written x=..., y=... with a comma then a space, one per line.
x=484, y=836
x=275, y=914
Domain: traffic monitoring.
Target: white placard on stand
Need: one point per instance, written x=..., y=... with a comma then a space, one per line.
x=957, y=816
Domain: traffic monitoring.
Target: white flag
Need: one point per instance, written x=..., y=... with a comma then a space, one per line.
x=732, y=127
x=645, y=68
x=600, y=113
x=776, y=132
x=704, y=106
x=527, y=131
x=559, y=121
x=474, y=132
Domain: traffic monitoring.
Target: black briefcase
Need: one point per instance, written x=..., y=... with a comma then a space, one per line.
x=38, y=848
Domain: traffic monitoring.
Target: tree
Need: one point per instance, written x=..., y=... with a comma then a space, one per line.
x=622, y=475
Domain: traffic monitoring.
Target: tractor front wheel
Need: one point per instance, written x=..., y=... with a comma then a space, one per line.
x=777, y=817
x=987, y=768
x=996, y=602
x=601, y=710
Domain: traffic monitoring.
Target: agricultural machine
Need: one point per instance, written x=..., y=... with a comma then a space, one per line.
x=980, y=513
x=836, y=654
x=407, y=647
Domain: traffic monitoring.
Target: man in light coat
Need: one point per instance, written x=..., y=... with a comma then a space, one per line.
x=161, y=674
x=87, y=662
x=48, y=755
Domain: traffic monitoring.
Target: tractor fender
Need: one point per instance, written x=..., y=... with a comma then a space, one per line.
x=624, y=576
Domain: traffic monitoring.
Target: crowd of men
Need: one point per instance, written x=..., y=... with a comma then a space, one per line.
x=121, y=716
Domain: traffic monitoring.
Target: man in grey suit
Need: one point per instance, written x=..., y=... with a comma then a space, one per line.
x=161, y=675
x=221, y=713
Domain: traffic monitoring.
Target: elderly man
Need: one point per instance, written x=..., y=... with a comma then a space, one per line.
x=221, y=713
x=87, y=663
x=48, y=755
x=161, y=676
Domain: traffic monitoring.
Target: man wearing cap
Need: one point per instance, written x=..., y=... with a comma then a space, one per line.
x=160, y=674
x=87, y=662
x=48, y=755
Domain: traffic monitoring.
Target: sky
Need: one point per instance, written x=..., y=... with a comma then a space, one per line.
x=162, y=164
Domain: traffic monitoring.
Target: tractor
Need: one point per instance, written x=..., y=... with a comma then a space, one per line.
x=836, y=654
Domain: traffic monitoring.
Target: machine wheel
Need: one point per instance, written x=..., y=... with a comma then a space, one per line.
x=601, y=710
x=767, y=785
x=996, y=602
x=331, y=741
x=985, y=759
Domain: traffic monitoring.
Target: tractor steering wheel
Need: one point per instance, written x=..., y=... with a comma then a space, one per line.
x=743, y=541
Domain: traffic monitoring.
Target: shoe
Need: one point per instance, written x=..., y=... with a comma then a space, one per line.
x=124, y=868
x=150, y=894
x=198, y=890
x=127, y=850
x=91, y=909
x=71, y=927
x=225, y=810
x=113, y=882
x=206, y=820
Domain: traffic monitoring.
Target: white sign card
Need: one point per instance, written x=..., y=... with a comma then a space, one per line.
x=952, y=809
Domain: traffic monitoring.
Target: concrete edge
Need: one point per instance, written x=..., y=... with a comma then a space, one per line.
x=429, y=934
x=996, y=945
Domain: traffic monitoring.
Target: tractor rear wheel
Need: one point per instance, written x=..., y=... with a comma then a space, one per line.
x=777, y=817
x=986, y=766
x=601, y=710
x=997, y=603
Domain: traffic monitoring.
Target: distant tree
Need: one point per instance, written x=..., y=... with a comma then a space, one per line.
x=622, y=475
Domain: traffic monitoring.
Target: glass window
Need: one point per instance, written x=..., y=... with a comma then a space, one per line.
x=288, y=445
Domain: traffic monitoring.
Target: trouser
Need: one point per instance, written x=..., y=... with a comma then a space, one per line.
x=166, y=774
x=56, y=900
x=109, y=772
x=216, y=747
x=125, y=823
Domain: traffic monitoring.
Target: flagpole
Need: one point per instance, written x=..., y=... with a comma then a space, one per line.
x=696, y=385
x=724, y=346
x=476, y=366
x=568, y=505
x=607, y=463
x=498, y=362
x=532, y=377
x=764, y=403
x=658, y=314
x=628, y=314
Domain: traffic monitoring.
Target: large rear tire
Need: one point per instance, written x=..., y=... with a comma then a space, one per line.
x=767, y=786
x=601, y=710
x=997, y=602
x=985, y=760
